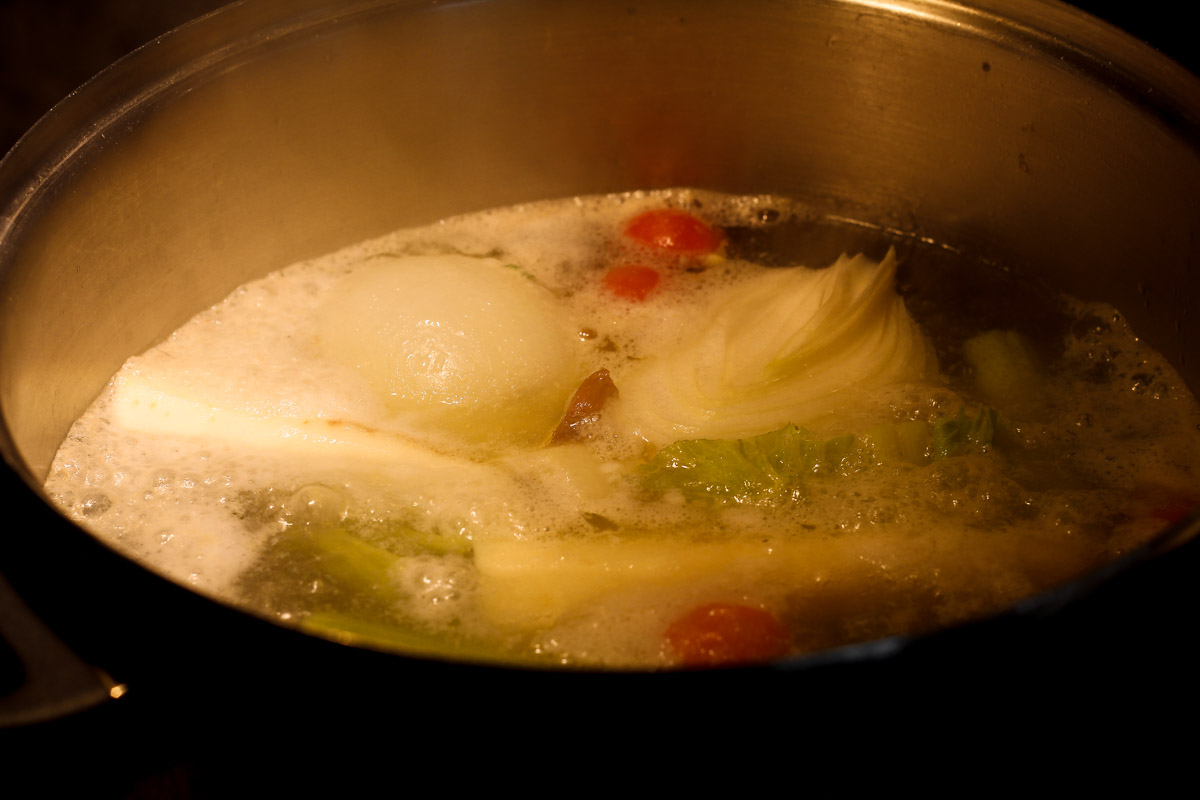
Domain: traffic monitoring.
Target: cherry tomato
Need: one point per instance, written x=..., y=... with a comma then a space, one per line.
x=632, y=282
x=1175, y=511
x=674, y=231
x=722, y=633
x=1166, y=503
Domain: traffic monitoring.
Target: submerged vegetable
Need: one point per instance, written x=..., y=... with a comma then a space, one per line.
x=718, y=634
x=776, y=464
x=589, y=433
x=1006, y=370
x=585, y=407
x=632, y=282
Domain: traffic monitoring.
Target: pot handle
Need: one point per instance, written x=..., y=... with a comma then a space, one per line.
x=41, y=678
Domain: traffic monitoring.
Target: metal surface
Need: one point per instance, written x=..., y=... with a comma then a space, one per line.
x=1019, y=132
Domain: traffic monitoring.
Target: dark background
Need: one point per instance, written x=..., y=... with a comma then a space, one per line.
x=49, y=47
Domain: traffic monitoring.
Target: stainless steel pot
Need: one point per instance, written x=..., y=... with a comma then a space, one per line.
x=1020, y=132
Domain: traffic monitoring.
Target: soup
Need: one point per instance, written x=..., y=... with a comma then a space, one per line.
x=631, y=432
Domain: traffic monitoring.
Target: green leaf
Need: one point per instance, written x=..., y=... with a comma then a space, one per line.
x=707, y=468
x=779, y=462
x=964, y=434
x=347, y=559
x=357, y=631
x=409, y=539
x=1006, y=370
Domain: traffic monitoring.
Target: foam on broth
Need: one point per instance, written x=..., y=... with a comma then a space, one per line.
x=227, y=455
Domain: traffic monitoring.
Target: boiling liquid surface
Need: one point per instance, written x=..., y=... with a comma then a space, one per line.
x=246, y=453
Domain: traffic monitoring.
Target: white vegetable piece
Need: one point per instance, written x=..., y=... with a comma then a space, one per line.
x=469, y=346
x=161, y=406
x=788, y=346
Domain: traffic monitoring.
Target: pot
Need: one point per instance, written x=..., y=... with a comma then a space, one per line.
x=1022, y=133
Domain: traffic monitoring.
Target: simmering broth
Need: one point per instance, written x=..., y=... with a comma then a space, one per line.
x=631, y=431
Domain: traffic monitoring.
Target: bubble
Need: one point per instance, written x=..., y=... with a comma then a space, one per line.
x=94, y=505
x=315, y=504
x=437, y=587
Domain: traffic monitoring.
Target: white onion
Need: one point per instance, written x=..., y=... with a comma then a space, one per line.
x=787, y=346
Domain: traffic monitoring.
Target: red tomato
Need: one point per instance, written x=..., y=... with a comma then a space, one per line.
x=722, y=633
x=1173, y=512
x=1166, y=503
x=673, y=230
x=631, y=282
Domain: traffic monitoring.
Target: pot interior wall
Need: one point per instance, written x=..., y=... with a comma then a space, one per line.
x=268, y=134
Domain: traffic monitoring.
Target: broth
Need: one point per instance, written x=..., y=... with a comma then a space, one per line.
x=655, y=452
